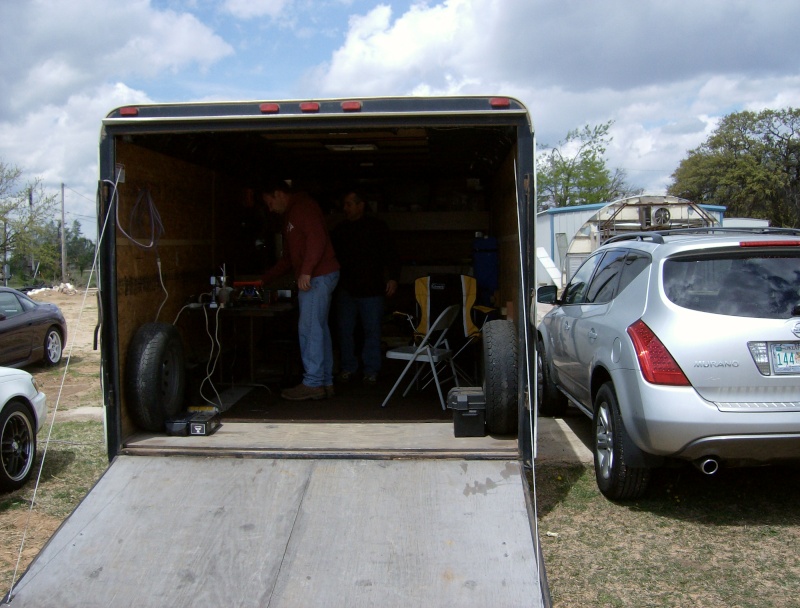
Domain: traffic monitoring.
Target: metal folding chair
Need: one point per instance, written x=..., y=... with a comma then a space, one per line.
x=433, y=349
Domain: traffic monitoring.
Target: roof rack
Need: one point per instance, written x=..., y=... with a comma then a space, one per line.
x=657, y=236
x=728, y=229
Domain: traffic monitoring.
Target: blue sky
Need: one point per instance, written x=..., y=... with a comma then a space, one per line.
x=665, y=71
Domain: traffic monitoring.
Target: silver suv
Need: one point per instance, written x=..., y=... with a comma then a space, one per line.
x=679, y=344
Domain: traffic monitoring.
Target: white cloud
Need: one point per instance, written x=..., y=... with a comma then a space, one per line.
x=423, y=49
x=62, y=47
x=248, y=9
x=59, y=142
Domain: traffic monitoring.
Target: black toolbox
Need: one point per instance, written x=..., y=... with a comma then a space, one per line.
x=469, y=411
x=194, y=423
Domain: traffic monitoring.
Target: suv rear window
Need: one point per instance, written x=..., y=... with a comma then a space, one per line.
x=754, y=284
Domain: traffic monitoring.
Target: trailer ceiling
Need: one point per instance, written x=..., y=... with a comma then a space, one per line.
x=379, y=153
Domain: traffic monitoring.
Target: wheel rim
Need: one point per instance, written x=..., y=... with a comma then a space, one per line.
x=17, y=437
x=53, y=346
x=539, y=378
x=604, y=441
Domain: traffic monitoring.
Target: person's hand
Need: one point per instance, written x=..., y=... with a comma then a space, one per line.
x=304, y=282
x=391, y=287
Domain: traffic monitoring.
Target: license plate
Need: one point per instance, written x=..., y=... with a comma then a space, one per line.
x=785, y=357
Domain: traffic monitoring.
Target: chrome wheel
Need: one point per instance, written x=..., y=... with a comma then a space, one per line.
x=604, y=442
x=18, y=447
x=52, y=347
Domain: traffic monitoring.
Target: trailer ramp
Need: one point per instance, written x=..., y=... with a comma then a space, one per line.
x=287, y=532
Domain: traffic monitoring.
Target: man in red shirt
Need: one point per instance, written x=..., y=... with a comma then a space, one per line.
x=308, y=253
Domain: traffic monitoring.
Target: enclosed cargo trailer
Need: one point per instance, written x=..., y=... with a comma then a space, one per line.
x=257, y=501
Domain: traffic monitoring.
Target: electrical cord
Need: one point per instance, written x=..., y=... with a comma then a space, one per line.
x=145, y=207
x=212, y=359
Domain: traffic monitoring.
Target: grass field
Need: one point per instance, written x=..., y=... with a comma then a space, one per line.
x=730, y=540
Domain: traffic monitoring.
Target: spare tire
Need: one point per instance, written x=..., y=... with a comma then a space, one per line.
x=155, y=379
x=500, y=377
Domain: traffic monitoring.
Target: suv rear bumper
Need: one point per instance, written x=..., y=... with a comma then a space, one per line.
x=745, y=448
x=676, y=422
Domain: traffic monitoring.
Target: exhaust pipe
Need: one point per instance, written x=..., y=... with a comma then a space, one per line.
x=708, y=465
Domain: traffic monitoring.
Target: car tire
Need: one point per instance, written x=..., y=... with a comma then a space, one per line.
x=616, y=479
x=551, y=401
x=500, y=377
x=53, y=347
x=155, y=376
x=18, y=435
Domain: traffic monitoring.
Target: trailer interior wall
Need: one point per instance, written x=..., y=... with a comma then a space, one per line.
x=203, y=207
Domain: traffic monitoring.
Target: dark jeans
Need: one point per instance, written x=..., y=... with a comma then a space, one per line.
x=370, y=311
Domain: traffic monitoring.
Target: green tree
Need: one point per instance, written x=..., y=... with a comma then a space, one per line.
x=575, y=173
x=24, y=213
x=80, y=250
x=749, y=164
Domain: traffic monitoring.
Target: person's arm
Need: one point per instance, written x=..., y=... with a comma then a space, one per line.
x=281, y=267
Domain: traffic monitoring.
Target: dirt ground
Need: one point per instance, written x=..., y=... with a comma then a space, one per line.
x=73, y=394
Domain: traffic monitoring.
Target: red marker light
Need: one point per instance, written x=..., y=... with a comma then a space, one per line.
x=351, y=106
x=129, y=111
x=500, y=103
x=270, y=108
x=309, y=106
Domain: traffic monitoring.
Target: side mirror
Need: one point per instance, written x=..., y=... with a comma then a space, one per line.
x=547, y=294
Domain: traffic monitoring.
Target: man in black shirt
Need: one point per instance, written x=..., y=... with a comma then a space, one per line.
x=369, y=273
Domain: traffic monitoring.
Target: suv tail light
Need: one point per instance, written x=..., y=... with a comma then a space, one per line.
x=758, y=350
x=657, y=365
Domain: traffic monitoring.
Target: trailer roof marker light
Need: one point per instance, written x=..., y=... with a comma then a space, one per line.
x=270, y=108
x=309, y=106
x=500, y=103
x=351, y=106
x=129, y=111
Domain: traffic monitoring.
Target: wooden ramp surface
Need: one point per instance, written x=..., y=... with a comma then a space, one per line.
x=239, y=532
x=331, y=439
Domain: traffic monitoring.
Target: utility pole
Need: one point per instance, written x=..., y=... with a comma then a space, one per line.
x=30, y=210
x=63, y=240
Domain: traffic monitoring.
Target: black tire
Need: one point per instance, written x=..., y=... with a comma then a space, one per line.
x=616, y=479
x=500, y=377
x=551, y=401
x=18, y=451
x=53, y=347
x=155, y=376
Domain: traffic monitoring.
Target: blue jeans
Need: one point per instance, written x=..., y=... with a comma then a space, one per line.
x=316, y=348
x=370, y=310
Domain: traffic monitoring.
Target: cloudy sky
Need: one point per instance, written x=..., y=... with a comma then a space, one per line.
x=665, y=71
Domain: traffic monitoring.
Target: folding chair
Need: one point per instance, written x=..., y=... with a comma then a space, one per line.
x=433, y=349
x=434, y=293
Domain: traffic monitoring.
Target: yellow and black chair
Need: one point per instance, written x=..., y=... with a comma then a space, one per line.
x=436, y=292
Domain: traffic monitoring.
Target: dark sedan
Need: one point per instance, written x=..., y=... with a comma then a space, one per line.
x=29, y=331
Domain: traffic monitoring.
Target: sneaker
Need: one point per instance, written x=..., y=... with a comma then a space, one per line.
x=329, y=391
x=344, y=377
x=370, y=378
x=302, y=392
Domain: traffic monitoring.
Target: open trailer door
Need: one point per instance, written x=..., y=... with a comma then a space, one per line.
x=186, y=531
